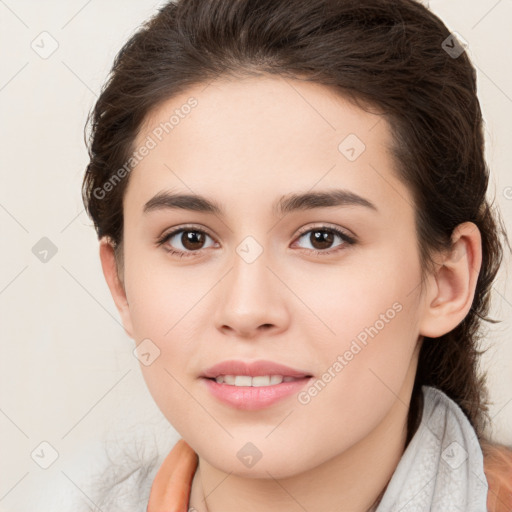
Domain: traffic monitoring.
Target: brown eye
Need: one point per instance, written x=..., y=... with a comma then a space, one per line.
x=192, y=240
x=185, y=242
x=321, y=239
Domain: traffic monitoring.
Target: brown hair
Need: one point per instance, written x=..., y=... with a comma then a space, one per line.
x=388, y=54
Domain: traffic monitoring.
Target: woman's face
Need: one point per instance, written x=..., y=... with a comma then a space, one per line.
x=269, y=279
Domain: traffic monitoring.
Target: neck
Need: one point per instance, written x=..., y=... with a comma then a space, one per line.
x=353, y=481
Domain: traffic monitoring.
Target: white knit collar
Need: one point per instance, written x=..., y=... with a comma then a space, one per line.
x=441, y=470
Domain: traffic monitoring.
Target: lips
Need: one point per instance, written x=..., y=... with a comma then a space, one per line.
x=249, y=396
x=252, y=369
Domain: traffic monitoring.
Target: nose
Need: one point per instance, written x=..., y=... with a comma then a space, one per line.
x=252, y=300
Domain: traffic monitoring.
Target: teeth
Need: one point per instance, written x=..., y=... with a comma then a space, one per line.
x=247, y=380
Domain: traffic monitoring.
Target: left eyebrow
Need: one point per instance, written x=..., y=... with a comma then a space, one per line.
x=326, y=199
x=284, y=205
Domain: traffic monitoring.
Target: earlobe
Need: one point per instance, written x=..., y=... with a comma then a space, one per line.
x=452, y=288
x=117, y=289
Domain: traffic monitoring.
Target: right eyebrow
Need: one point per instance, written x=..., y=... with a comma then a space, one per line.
x=192, y=202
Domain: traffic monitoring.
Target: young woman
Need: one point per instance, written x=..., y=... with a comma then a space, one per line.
x=290, y=198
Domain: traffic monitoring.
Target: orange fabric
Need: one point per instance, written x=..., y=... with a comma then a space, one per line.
x=170, y=491
x=498, y=471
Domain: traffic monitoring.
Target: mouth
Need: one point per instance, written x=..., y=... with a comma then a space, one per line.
x=253, y=385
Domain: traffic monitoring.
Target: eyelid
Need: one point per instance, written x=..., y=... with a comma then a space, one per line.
x=185, y=227
x=326, y=226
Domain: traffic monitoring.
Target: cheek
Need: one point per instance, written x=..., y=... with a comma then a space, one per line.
x=173, y=395
x=163, y=296
x=368, y=334
x=364, y=370
x=364, y=289
x=167, y=306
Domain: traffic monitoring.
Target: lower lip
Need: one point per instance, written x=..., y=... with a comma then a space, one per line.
x=252, y=398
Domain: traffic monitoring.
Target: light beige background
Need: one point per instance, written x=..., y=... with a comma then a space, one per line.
x=68, y=375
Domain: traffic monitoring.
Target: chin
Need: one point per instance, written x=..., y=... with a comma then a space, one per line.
x=245, y=460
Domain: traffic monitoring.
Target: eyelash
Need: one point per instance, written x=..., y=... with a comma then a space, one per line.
x=347, y=240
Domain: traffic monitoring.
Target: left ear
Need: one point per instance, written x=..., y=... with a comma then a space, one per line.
x=452, y=288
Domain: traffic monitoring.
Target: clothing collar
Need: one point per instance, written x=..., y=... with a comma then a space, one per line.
x=442, y=467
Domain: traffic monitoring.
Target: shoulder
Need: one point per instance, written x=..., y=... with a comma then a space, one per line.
x=498, y=471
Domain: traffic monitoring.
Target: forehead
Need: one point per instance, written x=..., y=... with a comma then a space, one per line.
x=278, y=111
x=263, y=134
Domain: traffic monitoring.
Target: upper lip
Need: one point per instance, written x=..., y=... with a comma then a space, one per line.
x=253, y=369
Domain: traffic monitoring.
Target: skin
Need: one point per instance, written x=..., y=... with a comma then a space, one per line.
x=247, y=143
